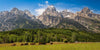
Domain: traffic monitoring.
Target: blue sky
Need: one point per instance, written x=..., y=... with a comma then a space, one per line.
x=38, y=6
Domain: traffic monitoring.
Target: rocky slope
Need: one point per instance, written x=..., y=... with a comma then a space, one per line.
x=67, y=14
x=88, y=19
x=83, y=20
x=50, y=16
x=18, y=19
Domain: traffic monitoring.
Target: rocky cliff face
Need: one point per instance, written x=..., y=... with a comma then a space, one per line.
x=51, y=10
x=18, y=19
x=87, y=13
x=88, y=19
x=50, y=16
x=67, y=14
x=29, y=14
x=83, y=20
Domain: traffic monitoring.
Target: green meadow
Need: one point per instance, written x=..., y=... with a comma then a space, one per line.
x=69, y=46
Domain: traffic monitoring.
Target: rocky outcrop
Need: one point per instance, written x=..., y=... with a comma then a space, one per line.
x=88, y=19
x=83, y=20
x=67, y=14
x=51, y=10
x=50, y=16
x=87, y=13
x=29, y=14
x=18, y=19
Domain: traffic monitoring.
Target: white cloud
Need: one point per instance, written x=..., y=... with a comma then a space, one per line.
x=92, y=10
x=59, y=9
x=40, y=4
x=42, y=8
x=46, y=2
x=74, y=9
x=95, y=11
x=39, y=11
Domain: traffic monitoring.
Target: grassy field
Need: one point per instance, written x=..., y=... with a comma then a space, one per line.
x=69, y=46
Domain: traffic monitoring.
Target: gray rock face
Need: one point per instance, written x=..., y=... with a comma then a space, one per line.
x=50, y=16
x=51, y=10
x=86, y=10
x=49, y=20
x=8, y=20
x=67, y=14
x=16, y=11
x=29, y=14
x=87, y=13
x=83, y=20
x=88, y=19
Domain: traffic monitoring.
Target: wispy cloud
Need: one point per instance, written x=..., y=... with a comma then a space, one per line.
x=39, y=11
x=70, y=7
x=74, y=9
x=40, y=4
x=41, y=8
x=95, y=11
x=46, y=2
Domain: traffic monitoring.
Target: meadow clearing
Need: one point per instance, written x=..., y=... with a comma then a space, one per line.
x=68, y=46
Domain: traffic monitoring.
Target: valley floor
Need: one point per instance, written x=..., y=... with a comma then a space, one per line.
x=68, y=46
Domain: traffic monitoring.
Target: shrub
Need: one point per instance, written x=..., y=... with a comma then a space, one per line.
x=42, y=43
x=32, y=43
x=26, y=43
x=22, y=44
x=13, y=45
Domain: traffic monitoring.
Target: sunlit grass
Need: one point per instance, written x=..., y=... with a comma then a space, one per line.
x=72, y=46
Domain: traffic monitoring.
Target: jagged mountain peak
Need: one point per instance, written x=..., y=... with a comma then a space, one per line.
x=51, y=8
x=27, y=12
x=67, y=14
x=50, y=18
x=4, y=12
x=15, y=9
x=86, y=10
x=65, y=10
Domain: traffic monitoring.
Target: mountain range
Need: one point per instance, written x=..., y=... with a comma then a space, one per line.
x=84, y=20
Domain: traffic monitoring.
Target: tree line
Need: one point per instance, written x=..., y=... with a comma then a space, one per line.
x=47, y=35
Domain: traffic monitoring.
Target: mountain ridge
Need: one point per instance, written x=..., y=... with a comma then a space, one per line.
x=83, y=20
